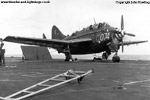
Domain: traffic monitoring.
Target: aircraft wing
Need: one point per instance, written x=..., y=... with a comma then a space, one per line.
x=132, y=42
x=54, y=43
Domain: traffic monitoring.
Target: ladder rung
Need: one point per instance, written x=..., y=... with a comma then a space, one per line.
x=61, y=80
x=28, y=91
x=44, y=85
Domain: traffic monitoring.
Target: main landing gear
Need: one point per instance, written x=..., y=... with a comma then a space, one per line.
x=116, y=58
x=68, y=56
x=105, y=56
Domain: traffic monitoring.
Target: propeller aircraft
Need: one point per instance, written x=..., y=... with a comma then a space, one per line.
x=95, y=38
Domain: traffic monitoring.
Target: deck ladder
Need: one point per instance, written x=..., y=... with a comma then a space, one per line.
x=50, y=83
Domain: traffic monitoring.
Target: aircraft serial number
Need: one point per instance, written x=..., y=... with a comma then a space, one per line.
x=102, y=37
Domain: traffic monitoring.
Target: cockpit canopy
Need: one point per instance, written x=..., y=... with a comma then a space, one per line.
x=92, y=27
x=98, y=26
x=106, y=24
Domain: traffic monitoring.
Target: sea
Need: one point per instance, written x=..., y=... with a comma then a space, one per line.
x=90, y=56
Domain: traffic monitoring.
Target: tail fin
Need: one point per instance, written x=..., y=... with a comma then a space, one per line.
x=57, y=34
x=44, y=36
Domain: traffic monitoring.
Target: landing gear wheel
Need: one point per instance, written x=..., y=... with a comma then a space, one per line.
x=116, y=59
x=75, y=59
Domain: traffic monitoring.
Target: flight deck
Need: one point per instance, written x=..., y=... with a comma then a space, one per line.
x=126, y=80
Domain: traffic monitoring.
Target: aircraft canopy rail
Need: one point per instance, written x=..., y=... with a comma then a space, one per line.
x=50, y=83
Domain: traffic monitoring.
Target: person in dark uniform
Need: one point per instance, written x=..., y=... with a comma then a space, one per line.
x=2, y=52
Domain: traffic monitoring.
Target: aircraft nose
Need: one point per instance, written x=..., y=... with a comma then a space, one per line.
x=114, y=43
x=118, y=36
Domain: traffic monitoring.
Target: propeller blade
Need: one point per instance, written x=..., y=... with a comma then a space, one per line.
x=129, y=34
x=122, y=32
x=122, y=23
x=122, y=46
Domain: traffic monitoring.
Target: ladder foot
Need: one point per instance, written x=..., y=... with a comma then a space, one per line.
x=80, y=79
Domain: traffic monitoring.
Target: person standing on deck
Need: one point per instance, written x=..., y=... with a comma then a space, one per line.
x=2, y=52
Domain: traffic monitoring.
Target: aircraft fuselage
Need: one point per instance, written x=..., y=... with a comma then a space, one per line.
x=100, y=38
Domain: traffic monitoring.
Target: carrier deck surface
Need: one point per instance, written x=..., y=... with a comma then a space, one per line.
x=127, y=80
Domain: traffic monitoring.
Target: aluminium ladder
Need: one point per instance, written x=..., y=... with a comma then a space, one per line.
x=50, y=83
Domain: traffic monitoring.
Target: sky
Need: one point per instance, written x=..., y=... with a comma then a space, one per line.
x=32, y=20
